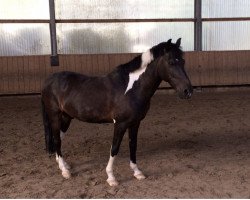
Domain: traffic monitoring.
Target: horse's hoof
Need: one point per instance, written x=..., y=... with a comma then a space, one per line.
x=66, y=174
x=140, y=176
x=112, y=182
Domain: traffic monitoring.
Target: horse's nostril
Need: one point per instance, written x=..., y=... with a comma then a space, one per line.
x=186, y=92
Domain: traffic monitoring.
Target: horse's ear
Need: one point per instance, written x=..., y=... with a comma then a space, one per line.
x=178, y=42
x=169, y=41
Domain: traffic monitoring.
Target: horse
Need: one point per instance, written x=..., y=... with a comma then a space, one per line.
x=121, y=97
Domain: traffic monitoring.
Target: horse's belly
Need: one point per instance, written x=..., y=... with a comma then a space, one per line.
x=98, y=121
x=93, y=111
x=94, y=115
x=95, y=119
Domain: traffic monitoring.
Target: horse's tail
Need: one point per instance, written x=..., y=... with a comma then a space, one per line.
x=49, y=140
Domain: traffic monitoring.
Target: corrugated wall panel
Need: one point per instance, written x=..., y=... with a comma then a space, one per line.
x=232, y=35
x=225, y=8
x=24, y=39
x=24, y=9
x=123, y=9
x=98, y=38
x=23, y=75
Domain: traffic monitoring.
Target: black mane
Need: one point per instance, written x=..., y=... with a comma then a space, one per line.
x=132, y=65
x=157, y=51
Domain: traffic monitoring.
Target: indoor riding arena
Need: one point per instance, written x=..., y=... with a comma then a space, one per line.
x=196, y=146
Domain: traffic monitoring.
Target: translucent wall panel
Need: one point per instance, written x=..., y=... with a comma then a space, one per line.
x=24, y=9
x=124, y=9
x=225, y=8
x=24, y=39
x=120, y=37
x=226, y=35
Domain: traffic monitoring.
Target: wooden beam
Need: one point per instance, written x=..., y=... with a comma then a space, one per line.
x=54, y=59
x=226, y=19
x=197, y=26
x=123, y=20
x=23, y=21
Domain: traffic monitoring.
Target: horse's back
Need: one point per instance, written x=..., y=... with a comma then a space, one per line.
x=64, y=76
x=62, y=81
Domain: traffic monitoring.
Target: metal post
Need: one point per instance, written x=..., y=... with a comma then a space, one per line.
x=197, y=26
x=54, y=60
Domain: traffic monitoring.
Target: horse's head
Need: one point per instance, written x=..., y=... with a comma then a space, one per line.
x=171, y=67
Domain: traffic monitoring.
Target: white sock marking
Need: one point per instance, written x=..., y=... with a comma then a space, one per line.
x=63, y=166
x=137, y=173
x=109, y=168
x=146, y=58
x=135, y=168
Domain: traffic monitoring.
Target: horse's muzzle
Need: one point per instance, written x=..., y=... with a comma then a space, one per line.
x=186, y=94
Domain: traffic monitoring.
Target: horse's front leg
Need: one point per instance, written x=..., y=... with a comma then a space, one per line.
x=133, y=131
x=119, y=130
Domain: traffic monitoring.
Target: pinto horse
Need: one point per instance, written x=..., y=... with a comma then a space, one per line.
x=121, y=97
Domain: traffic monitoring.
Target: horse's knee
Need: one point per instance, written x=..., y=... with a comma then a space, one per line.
x=116, y=146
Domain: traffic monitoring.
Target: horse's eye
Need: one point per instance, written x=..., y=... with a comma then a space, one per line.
x=171, y=62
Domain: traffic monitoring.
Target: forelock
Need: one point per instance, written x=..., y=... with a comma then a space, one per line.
x=165, y=47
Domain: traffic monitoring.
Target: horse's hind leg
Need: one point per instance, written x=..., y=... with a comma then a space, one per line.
x=65, y=122
x=133, y=131
x=55, y=127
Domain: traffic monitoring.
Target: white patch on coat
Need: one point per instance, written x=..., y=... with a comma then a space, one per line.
x=109, y=170
x=63, y=166
x=114, y=121
x=137, y=173
x=146, y=58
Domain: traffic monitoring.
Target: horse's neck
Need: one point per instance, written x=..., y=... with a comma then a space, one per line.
x=149, y=82
x=143, y=88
